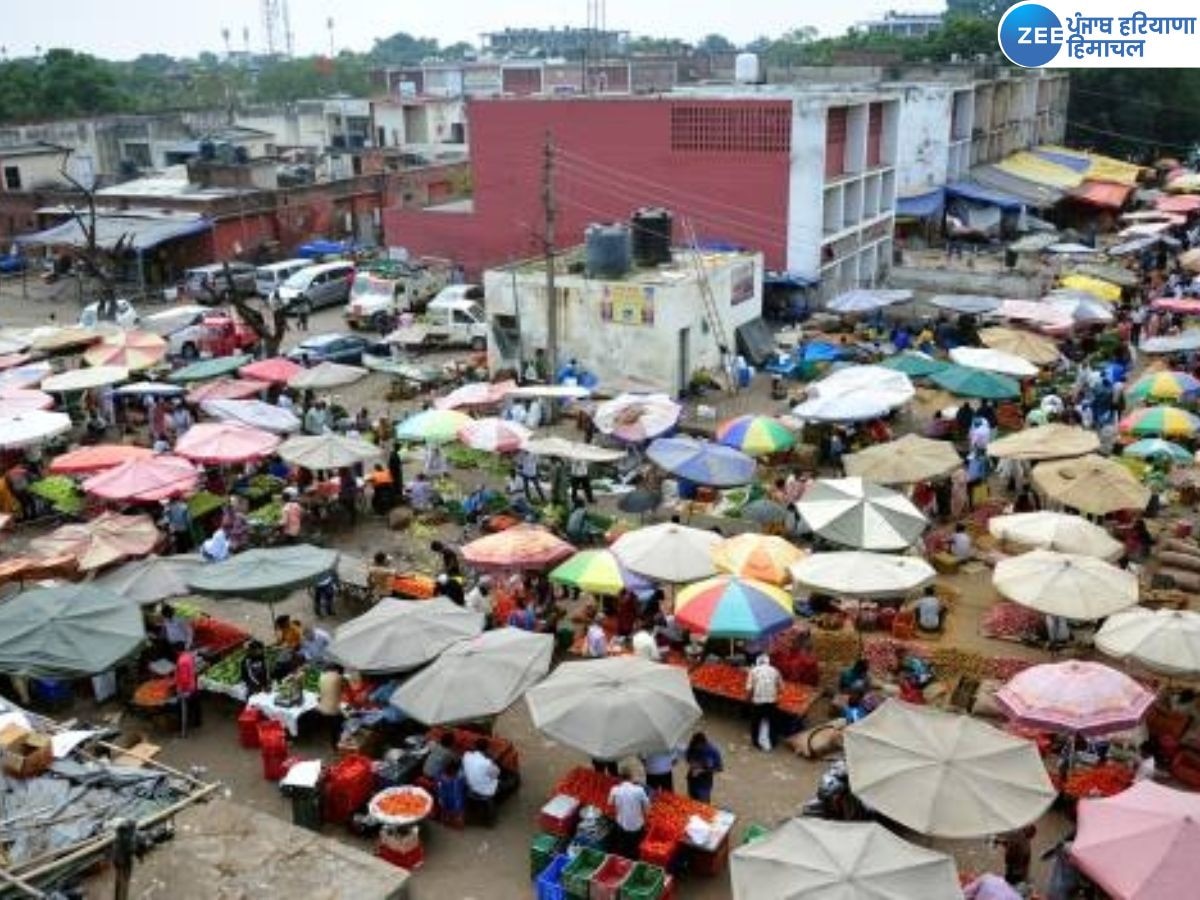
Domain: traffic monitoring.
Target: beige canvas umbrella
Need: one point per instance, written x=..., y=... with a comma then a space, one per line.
x=327, y=451
x=908, y=460
x=84, y=379
x=1060, y=584
x=943, y=774
x=1091, y=484
x=855, y=573
x=1057, y=531
x=668, y=552
x=1052, y=441
x=54, y=340
x=820, y=860
x=561, y=448
x=1164, y=640
x=326, y=375
x=1039, y=350
x=106, y=539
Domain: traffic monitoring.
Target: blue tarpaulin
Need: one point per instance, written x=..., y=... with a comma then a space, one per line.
x=1074, y=163
x=977, y=193
x=321, y=247
x=921, y=206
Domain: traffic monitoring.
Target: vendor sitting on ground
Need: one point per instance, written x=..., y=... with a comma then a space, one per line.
x=930, y=612
x=960, y=544
x=440, y=755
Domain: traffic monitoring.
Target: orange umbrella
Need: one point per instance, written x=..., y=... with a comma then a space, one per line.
x=761, y=557
x=226, y=389
x=96, y=458
x=277, y=370
x=520, y=547
x=104, y=540
x=133, y=350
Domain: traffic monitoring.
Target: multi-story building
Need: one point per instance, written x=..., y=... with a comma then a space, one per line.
x=554, y=42
x=903, y=24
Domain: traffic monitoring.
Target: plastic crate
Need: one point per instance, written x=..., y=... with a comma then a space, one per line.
x=306, y=807
x=559, y=816
x=577, y=876
x=542, y=849
x=247, y=722
x=645, y=882
x=607, y=880
x=549, y=885
x=273, y=763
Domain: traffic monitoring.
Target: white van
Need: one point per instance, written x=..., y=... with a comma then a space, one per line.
x=268, y=278
x=455, y=317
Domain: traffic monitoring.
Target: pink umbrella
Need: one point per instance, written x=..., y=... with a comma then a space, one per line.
x=1185, y=306
x=226, y=389
x=635, y=418
x=145, y=480
x=1141, y=844
x=522, y=547
x=276, y=370
x=1074, y=696
x=494, y=435
x=11, y=360
x=18, y=400
x=96, y=458
x=225, y=442
x=479, y=393
x=26, y=375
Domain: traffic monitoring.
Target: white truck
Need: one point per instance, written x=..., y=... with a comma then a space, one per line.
x=383, y=289
x=454, y=318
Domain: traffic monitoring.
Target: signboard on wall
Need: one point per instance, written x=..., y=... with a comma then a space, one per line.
x=627, y=304
x=741, y=283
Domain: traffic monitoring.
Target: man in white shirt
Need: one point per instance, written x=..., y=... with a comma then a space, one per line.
x=960, y=544
x=596, y=641
x=581, y=481
x=645, y=646
x=481, y=773
x=1146, y=767
x=929, y=612
x=630, y=802
x=763, y=684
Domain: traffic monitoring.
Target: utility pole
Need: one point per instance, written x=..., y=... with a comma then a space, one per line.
x=550, y=212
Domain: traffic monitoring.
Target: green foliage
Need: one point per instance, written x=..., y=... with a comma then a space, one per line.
x=716, y=43
x=403, y=49
x=1137, y=113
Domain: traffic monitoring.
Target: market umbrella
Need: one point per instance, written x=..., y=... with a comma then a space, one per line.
x=145, y=480
x=97, y=457
x=399, y=635
x=639, y=501
x=636, y=418
x=943, y=774
x=553, y=391
x=322, y=452
x=761, y=557
x=326, y=375
x=856, y=513
x=26, y=376
x=104, y=540
x=1078, y=309
x=967, y=382
x=149, y=389
x=84, y=379
x=13, y=341
x=1172, y=343
x=862, y=300
x=820, y=860
x=668, y=552
x=561, y=448
x=1061, y=584
x=1057, y=531
x=990, y=360
x=1142, y=844
x=219, y=443
x=1105, y=290
x=132, y=350
x=522, y=547
x=854, y=573
x=1111, y=273
x=702, y=462
x=226, y=389
x=265, y=572
x=755, y=435
x=615, y=707
x=1078, y=697
x=479, y=393
x=1091, y=484
x=1053, y=441
x=1165, y=640
x=274, y=370
x=435, y=426
x=914, y=364
x=857, y=406
x=764, y=512
x=476, y=678
x=598, y=572
x=205, y=369
x=892, y=387
x=494, y=435
x=1157, y=448
x=71, y=631
x=1164, y=421
x=30, y=428
x=56, y=340
x=968, y=304
x=1034, y=348
x=907, y=460
x=253, y=414
x=730, y=607
x=18, y=400
x=153, y=579
x=1158, y=386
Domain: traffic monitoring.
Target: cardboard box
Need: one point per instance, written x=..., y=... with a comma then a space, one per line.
x=28, y=755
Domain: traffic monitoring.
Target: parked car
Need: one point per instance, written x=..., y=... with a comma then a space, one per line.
x=126, y=315
x=383, y=289
x=211, y=284
x=269, y=278
x=327, y=284
x=335, y=347
x=192, y=331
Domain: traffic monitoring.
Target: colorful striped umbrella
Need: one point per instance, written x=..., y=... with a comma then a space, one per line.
x=759, y=556
x=494, y=435
x=755, y=435
x=976, y=383
x=436, y=426
x=702, y=462
x=1153, y=448
x=132, y=350
x=1162, y=386
x=1165, y=421
x=520, y=547
x=729, y=607
x=1075, y=696
x=598, y=572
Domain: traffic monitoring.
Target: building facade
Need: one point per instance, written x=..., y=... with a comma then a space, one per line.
x=903, y=24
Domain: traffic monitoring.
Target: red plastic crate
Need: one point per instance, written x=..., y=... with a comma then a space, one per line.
x=274, y=764
x=607, y=880
x=271, y=734
x=248, y=720
x=349, y=784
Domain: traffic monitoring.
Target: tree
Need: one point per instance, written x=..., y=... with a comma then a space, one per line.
x=461, y=50
x=402, y=49
x=654, y=46
x=97, y=263
x=716, y=43
x=269, y=322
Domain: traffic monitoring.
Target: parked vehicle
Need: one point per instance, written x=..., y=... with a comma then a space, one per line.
x=327, y=284
x=383, y=289
x=126, y=315
x=334, y=347
x=269, y=278
x=212, y=283
x=454, y=317
x=193, y=331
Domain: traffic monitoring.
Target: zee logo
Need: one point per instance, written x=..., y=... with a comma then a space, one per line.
x=1030, y=35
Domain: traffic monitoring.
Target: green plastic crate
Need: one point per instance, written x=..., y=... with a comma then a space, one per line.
x=577, y=876
x=645, y=882
x=542, y=849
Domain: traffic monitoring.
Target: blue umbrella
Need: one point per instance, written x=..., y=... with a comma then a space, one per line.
x=702, y=462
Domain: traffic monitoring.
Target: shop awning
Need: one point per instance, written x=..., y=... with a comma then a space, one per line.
x=1104, y=194
x=1098, y=166
x=921, y=206
x=1030, y=193
x=978, y=193
x=134, y=232
x=1072, y=161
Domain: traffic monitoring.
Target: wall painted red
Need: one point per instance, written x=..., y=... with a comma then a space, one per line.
x=614, y=156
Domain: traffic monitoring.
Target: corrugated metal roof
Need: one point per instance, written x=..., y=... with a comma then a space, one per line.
x=1030, y=193
x=1105, y=194
x=133, y=232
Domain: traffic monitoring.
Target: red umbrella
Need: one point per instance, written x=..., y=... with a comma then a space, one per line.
x=276, y=370
x=226, y=389
x=521, y=547
x=145, y=480
x=96, y=458
x=225, y=442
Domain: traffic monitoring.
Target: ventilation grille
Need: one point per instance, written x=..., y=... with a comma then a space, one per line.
x=697, y=128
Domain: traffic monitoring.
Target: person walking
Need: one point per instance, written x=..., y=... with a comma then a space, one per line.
x=528, y=467
x=186, y=689
x=581, y=481
x=762, y=685
x=703, y=763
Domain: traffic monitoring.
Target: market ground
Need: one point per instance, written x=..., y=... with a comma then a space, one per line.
x=481, y=863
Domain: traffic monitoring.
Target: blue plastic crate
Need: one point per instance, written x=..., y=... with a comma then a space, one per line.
x=548, y=884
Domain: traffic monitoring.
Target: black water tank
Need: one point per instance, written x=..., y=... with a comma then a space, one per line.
x=651, y=236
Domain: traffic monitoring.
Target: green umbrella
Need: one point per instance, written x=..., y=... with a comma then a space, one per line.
x=1153, y=448
x=976, y=383
x=914, y=365
x=268, y=572
x=205, y=369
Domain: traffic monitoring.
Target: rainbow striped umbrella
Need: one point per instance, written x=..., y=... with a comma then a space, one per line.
x=598, y=572
x=437, y=426
x=1167, y=421
x=762, y=557
x=731, y=607
x=1162, y=386
x=755, y=435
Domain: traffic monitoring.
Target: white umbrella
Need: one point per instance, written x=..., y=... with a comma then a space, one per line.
x=398, y=635
x=636, y=418
x=856, y=573
x=553, y=391
x=993, y=361
x=1059, y=584
x=1079, y=306
x=150, y=389
x=477, y=678
x=253, y=413
x=84, y=379
x=668, y=552
x=326, y=375
x=1057, y=531
x=615, y=707
x=14, y=341
x=29, y=429
x=561, y=448
x=857, y=513
x=819, y=860
x=326, y=451
x=943, y=774
x=25, y=376
x=856, y=393
x=854, y=407
x=863, y=300
x=1172, y=343
x=972, y=304
x=1165, y=640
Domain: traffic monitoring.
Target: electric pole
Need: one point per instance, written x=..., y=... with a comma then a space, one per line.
x=550, y=212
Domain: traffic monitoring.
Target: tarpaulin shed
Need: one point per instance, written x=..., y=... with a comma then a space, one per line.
x=1039, y=196
x=1099, y=167
x=1040, y=170
x=978, y=193
x=921, y=206
x=1180, y=203
x=132, y=231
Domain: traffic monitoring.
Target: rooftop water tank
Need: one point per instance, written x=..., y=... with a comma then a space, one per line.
x=747, y=69
x=608, y=251
x=651, y=229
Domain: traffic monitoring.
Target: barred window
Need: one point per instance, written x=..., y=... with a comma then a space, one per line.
x=729, y=128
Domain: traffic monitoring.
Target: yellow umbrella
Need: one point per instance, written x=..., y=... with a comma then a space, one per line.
x=759, y=556
x=1034, y=348
x=1091, y=484
x=132, y=350
x=1097, y=287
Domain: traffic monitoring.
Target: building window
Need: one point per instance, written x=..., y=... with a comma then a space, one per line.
x=12, y=178
x=758, y=128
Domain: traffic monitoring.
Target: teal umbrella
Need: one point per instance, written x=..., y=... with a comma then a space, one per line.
x=205, y=369
x=268, y=572
x=967, y=382
x=1156, y=448
x=914, y=365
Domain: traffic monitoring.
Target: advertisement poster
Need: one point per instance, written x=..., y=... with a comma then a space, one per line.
x=627, y=304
